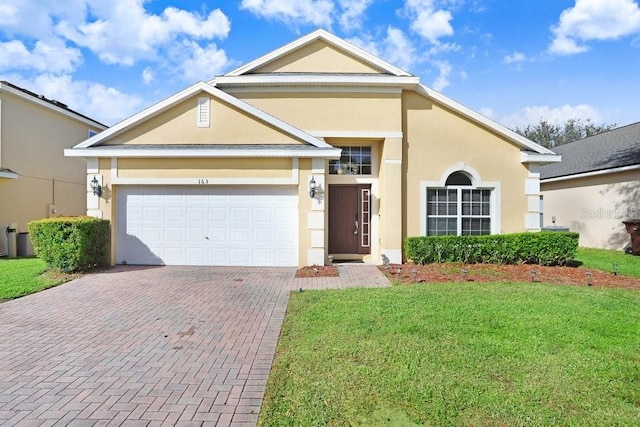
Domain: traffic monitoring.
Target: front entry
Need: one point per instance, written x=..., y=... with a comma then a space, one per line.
x=349, y=219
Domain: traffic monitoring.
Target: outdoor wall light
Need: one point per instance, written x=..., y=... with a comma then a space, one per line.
x=312, y=187
x=96, y=187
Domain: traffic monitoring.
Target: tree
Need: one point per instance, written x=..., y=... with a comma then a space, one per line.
x=550, y=135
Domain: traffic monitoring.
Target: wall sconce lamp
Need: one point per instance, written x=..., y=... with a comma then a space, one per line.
x=96, y=187
x=312, y=187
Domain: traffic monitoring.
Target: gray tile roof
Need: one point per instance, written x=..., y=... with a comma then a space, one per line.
x=613, y=149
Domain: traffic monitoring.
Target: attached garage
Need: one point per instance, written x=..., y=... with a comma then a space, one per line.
x=207, y=225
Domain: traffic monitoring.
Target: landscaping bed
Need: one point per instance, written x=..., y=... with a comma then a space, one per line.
x=317, y=271
x=456, y=272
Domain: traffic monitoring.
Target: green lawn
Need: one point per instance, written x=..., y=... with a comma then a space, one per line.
x=24, y=276
x=458, y=354
x=602, y=259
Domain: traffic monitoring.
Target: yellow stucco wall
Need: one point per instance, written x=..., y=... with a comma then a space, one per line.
x=33, y=139
x=228, y=125
x=317, y=57
x=320, y=111
x=594, y=207
x=436, y=139
x=204, y=168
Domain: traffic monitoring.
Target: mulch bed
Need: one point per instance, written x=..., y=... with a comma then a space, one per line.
x=317, y=271
x=452, y=272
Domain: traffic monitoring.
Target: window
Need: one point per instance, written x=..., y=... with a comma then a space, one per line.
x=458, y=209
x=353, y=161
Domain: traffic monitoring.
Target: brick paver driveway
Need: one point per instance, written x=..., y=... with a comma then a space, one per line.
x=149, y=346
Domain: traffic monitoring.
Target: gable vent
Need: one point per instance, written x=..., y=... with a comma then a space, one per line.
x=204, y=112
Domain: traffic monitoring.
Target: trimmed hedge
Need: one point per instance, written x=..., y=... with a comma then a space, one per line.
x=71, y=243
x=544, y=248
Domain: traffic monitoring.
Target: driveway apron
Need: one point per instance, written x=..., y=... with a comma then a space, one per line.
x=150, y=345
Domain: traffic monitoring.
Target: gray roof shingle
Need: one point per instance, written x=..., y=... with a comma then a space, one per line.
x=613, y=149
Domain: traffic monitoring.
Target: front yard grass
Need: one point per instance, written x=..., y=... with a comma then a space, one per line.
x=607, y=260
x=458, y=354
x=24, y=276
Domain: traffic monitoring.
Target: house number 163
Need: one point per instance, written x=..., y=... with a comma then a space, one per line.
x=203, y=181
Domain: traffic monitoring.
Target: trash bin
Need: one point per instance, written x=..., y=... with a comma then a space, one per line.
x=12, y=241
x=633, y=228
x=25, y=247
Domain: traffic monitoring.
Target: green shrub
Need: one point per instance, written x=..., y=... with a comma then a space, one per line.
x=544, y=248
x=71, y=243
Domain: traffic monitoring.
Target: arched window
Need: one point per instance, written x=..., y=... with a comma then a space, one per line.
x=458, y=208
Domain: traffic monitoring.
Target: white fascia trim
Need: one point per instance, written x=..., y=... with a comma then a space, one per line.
x=29, y=98
x=202, y=153
x=529, y=157
x=590, y=174
x=315, y=89
x=479, y=118
x=9, y=175
x=316, y=79
x=311, y=37
x=355, y=134
x=190, y=91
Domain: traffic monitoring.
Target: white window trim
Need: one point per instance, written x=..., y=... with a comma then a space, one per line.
x=477, y=184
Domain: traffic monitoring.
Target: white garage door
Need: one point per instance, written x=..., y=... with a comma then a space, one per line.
x=207, y=225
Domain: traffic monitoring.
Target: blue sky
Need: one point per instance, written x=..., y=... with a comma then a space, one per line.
x=514, y=61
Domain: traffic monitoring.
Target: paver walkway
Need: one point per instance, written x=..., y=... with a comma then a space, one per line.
x=150, y=345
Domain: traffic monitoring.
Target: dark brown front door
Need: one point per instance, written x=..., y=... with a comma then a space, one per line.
x=349, y=219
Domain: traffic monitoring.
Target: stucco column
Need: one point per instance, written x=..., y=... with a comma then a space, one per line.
x=316, y=254
x=391, y=205
x=532, y=191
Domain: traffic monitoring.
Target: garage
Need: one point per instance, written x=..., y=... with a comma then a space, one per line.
x=207, y=225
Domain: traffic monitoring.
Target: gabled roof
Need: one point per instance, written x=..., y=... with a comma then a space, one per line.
x=329, y=38
x=48, y=103
x=605, y=152
x=391, y=76
x=80, y=149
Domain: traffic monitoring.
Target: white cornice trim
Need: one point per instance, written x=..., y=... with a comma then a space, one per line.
x=364, y=134
x=528, y=157
x=315, y=89
x=117, y=152
x=45, y=104
x=164, y=105
x=590, y=174
x=352, y=80
x=485, y=121
x=319, y=34
x=9, y=175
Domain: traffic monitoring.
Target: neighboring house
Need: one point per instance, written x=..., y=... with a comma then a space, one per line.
x=595, y=187
x=36, y=179
x=220, y=173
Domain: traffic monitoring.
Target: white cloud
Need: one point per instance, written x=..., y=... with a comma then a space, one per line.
x=515, y=57
x=44, y=57
x=395, y=48
x=123, y=32
x=316, y=12
x=428, y=21
x=556, y=115
x=202, y=63
x=148, y=75
x=352, y=11
x=105, y=104
x=594, y=20
x=442, y=81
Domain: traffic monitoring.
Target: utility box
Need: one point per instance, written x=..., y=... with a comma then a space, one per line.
x=25, y=247
x=12, y=240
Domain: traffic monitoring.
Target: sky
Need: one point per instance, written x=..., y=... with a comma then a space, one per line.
x=515, y=61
